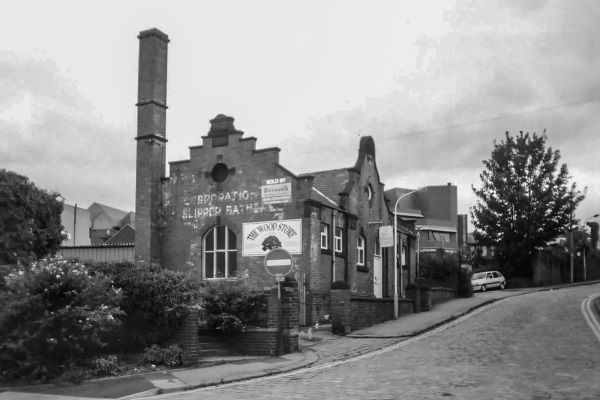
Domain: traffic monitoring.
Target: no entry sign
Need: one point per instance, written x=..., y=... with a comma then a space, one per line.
x=279, y=262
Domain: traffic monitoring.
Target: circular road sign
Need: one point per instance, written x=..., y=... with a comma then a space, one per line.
x=279, y=262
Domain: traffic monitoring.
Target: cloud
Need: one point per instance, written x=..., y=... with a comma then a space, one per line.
x=50, y=136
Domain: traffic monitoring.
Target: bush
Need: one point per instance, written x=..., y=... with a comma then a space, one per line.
x=156, y=302
x=230, y=306
x=172, y=356
x=438, y=266
x=54, y=314
x=104, y=366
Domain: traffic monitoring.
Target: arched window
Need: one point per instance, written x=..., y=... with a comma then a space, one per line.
x=220, y=253
x=360, y=259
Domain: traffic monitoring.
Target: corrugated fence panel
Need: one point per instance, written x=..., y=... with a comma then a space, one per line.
x=99, y=253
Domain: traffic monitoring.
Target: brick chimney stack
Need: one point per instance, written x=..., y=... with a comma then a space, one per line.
x=151, y=143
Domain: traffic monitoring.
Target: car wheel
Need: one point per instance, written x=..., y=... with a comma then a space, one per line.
x=483, y=289
x=502, y=285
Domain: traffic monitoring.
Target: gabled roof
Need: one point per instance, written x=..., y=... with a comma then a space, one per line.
x=113, y=213
x=408, y=205
x=129, y=219
x=321, y=198
x=331, y=183
x=125, y=235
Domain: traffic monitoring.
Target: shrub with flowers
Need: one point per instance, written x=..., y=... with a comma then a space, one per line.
x=53, y=315
x=156, y=302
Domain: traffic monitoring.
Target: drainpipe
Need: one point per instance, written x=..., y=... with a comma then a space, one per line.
x=333, y=214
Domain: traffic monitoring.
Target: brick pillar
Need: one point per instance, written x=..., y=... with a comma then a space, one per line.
x=151, y=143
x=426, y=299
x=413, y=293
x=289, y=316
x=187, y=336
x=340, y=311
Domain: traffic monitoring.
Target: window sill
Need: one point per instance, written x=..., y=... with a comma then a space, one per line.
x=362, y=268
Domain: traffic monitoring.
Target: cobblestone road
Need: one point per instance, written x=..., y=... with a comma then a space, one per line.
x=535, y=346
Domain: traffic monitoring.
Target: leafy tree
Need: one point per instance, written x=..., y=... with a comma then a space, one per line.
x=525, y=200
x=30, y=224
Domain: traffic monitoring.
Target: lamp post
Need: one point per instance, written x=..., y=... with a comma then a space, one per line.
x=396, y=250
x=584, y=261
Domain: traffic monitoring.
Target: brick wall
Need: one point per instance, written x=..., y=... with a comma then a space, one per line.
x=317, y=306
x=187, y=336
x=265, y=340
x=370, y=311
x=441, y=295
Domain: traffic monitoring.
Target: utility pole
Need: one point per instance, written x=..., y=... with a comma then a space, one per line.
x=571, y=248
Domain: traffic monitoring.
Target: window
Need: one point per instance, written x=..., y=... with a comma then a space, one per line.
x=220, y=253
x=377, y=248
x=338, y=239
x=324, y=236
x=360, y=246
x=439, y=236
x=369, y=191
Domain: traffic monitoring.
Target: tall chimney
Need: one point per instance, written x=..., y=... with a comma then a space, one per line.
x=151, y=143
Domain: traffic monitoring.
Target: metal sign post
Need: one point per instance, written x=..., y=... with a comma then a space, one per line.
x=279, y=263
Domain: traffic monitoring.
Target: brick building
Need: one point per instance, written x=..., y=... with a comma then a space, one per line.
x=218, y=213
x=434, y=211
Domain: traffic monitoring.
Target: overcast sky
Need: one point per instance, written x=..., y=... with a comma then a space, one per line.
x=434, y=82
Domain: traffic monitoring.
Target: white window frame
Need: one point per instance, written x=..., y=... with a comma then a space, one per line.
x=360, y=247
x=229, y=252
x=338, y=240
x=324, y=236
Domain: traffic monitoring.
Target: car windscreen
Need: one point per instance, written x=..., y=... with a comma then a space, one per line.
x=479, y=275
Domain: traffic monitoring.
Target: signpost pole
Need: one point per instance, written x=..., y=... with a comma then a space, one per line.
x=279, y=321
x=279, y=263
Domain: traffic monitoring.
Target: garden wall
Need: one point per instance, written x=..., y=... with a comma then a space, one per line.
x=350, y=313
x=265, y=341
x=441, y=295
x=369, y=311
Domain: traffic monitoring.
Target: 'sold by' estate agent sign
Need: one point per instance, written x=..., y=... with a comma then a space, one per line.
x=262, y=237
x=276, y=190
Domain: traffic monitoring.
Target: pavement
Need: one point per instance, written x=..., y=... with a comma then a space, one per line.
x=317, y=346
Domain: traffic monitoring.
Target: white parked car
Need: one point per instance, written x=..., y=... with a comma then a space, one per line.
x=488, y=280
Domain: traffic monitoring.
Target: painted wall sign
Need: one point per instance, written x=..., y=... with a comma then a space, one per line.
x=235, y=202
x=261, y=237
x=276, y=190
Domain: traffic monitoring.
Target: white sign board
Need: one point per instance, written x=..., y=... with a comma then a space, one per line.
x=276, y=190
x=261, y=237
x=386, y=236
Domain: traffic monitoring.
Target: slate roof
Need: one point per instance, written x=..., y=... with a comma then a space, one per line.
x=331, y=183
x=408, y=206
x=124, y=236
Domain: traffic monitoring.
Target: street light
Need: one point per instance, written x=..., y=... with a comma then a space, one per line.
x=396, y=250
x=584, y=261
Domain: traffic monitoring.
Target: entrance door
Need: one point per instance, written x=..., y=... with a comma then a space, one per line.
x=377, y=274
